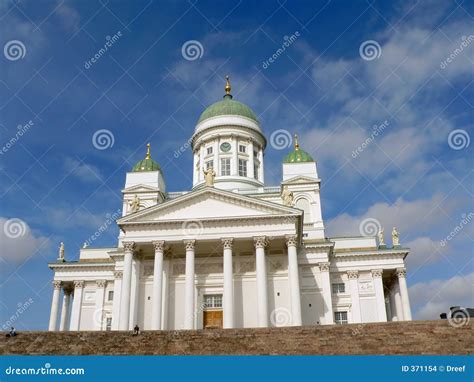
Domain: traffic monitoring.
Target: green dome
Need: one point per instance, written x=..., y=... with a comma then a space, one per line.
x=228, y=107
x=146, y=164
x=298, y=155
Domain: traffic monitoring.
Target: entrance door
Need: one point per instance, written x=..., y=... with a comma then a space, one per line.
x=212, y=315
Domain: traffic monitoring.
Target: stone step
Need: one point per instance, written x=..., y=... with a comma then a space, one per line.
x=415, y=337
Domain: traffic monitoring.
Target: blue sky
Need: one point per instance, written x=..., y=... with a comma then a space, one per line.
x=416, y=82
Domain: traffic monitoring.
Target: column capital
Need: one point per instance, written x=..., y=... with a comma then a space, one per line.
x=324, y=267
x=101, y=283
x=159, y=245
x=189, y=244
x=260, y=241
x=376, y=273
x=57, y=284
x=79, y=284
x=291, y=240
x=118, y=274
x=227, y=242
x=352, y=275
x=401, y=272
x=128, y=246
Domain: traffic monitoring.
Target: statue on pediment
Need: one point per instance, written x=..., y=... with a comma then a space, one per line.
x=209, y=175
x=287, y=197
x=134, y=204
x=61, y=252
x=395, y=237
x=381, y=238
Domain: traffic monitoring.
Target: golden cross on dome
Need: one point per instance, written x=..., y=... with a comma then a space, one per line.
x=148, y=154
x=297, y=145
x=227, y=85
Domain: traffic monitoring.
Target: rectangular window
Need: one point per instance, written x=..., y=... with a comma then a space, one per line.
x=213, y=301
x=108, y=325
x=338, y=288
x=255, y=153
x=209, y=150
x=242, y=149
x=225, y=166
x=242, y=167
x=340, y=318
x=110, y=296
x=209, y=164
x=255, y=171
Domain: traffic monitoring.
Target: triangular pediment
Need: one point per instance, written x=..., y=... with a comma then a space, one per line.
x=301, y=179
x=140, y=188
x=208, y=203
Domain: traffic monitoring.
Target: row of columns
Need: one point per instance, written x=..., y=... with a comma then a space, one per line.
x=402, y=301
x=228, y=290
x=71, y=315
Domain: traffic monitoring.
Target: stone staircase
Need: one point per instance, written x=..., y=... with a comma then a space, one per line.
x=415, y=337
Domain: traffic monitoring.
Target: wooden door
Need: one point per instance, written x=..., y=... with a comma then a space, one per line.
x=212, y=319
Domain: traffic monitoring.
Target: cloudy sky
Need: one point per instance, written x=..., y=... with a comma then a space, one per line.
x=381, y=94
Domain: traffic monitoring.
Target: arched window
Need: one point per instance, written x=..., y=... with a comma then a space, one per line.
x=303, y=204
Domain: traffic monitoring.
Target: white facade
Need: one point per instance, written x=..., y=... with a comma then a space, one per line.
x=233, y=254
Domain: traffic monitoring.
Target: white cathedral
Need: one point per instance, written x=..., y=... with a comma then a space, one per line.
x=231, y=252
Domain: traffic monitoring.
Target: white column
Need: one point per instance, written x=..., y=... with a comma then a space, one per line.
x=235, y=156
x=262, y=295
x=250, y=170
x=388, y=308
x=126, y=285
x=195, y=169
x=327, y=293
x=261, y=176
x=353, y=277
x=116, y=301
x=54, y=305
x=398, y=302
x=99, y=304
x=76, y=305
x=201, y=162
x=189, y=286
x=217, y=165
x=379, y=295
x=134, y=286
x=157, y=293
x=228, y=298
x=165, y=299
x=63, y=323
x=402, y=282
x=294, y=280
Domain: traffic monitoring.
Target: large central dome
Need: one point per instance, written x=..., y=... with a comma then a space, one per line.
x=228, y=106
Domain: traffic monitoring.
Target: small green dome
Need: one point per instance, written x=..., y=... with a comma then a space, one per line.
x=146, y=164
x=297, y=155
x=227, y=106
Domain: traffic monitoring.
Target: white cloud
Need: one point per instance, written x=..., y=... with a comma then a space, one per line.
x=17, y=241
x=429, y=299
x=68, y=17
x=83, y=171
